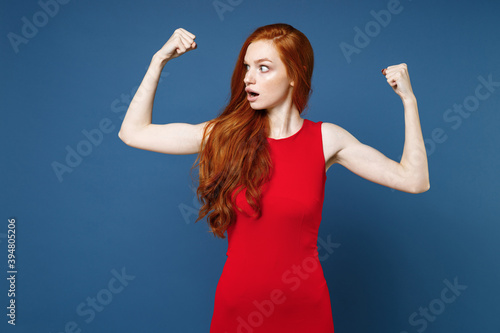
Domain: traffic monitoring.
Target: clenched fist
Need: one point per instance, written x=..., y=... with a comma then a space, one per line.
x=398, y=78
x=179, y=43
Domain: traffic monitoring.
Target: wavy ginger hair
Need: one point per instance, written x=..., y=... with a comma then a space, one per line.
x=234, y=153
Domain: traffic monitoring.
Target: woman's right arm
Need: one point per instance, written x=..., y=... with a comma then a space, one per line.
x=137, y=130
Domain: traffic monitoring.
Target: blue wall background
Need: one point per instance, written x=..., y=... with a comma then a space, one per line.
x=130, y=213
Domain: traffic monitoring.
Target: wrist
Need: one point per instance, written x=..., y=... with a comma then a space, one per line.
x=159, y=60
x=409, y=99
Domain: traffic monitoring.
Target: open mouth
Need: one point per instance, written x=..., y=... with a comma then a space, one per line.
x=251, y=95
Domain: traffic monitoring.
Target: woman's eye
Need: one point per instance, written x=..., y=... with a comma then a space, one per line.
x=262, y=67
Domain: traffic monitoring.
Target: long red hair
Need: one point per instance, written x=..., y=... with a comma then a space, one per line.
x=234, y=151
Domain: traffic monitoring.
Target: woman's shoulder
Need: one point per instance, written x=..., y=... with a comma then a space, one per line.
x=333, y=134
x=327, y=128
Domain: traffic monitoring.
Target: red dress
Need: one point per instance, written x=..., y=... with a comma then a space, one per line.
x=272, y=279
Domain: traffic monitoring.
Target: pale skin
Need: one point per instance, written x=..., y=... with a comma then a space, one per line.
x=339, y=146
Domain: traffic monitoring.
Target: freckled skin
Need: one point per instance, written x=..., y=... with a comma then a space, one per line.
x=268, y=78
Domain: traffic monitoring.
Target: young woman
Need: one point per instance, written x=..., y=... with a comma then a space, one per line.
x=262, y=172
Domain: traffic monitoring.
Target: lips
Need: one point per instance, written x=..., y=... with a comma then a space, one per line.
x=251, y=95
x=251, y=92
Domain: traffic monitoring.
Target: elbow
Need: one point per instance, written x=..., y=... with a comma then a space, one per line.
x=129, y=134
x=124, y=137
x=420, y=188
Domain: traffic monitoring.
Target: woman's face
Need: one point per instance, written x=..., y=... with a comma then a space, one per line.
x=265, y=75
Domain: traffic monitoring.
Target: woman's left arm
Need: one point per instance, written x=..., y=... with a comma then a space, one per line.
x=411, y=174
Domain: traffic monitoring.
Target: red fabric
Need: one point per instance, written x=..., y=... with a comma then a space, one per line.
x=272, y=280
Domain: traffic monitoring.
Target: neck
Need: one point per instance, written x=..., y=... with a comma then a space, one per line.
x=284, y=121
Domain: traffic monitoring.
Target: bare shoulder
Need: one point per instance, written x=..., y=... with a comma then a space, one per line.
x=330, y=131
x=334, y=139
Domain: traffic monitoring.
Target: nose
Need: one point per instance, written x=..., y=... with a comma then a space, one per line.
x=249, y=78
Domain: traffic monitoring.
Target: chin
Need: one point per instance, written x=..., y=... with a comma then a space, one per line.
x=255, y=106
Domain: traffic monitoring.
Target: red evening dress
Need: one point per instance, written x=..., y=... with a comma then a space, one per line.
x=272, y=280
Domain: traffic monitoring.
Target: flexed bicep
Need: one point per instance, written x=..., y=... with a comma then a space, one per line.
x=173, y=138
x=363, y=160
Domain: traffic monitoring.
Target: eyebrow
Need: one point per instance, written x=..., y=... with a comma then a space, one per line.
x=260, y=60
